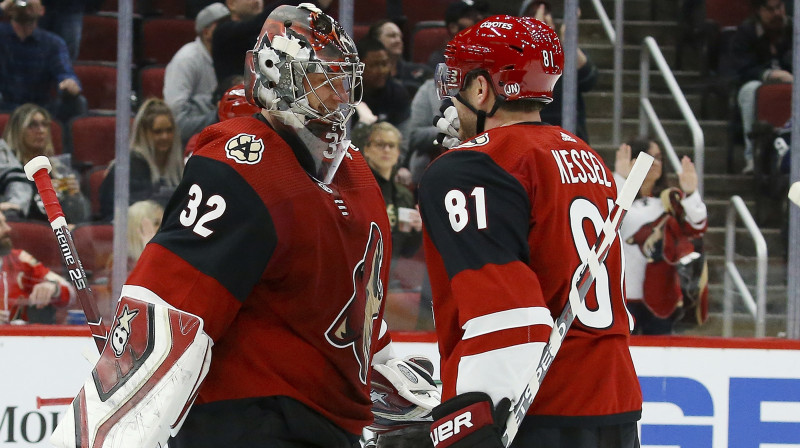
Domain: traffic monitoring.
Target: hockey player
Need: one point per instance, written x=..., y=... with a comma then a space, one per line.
x=509, y=215
x=275, y=250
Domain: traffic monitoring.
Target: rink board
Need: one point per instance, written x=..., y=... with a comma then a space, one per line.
x=699, y=392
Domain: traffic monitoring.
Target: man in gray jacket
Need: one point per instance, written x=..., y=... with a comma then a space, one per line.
x=189, y=80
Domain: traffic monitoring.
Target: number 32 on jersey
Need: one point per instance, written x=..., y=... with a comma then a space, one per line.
x=193, y=217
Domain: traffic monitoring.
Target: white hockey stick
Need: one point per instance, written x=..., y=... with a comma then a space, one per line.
x=577, y=293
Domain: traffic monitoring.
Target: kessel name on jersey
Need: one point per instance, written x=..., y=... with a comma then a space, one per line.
x=245, y=148
x=579, y=166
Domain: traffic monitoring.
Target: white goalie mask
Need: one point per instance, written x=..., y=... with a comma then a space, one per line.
x=304, y=62
x=304, y=70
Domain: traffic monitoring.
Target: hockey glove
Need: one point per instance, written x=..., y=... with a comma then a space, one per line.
x=403, y=394
x=448, y=123
x=469, y=421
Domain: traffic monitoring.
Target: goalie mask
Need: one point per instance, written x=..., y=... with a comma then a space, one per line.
x=304, y=69
x=304, y=62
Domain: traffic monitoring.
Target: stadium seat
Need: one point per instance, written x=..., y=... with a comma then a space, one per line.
x=55, y=131
x=151, y=82
x=94, y=244
x=93, y=140
x=99, y=81
x=94, y=178
x=162, y=38
x=359, y=32
x=774, y=104
x=428, y=37
x=38, y=239
x=418, y=11
x=366, y=12
x=99, y=38
x=168, y=8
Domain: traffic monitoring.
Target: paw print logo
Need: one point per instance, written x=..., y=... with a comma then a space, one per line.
x=245, y=148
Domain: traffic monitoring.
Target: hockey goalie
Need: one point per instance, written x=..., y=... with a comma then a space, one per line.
x=275, y=246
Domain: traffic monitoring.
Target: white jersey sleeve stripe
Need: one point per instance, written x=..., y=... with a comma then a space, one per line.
x=503, y=320
x=501, y=373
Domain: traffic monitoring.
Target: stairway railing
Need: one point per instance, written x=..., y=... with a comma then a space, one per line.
x=615, y=37
x=733, y=278
x=647, y=115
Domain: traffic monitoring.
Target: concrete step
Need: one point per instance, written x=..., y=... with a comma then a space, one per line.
x=688, y=80
x=600, y=104
x=601, y=130
x=748, y=268
x=633, y=32
x=715, y=156
x=743, y=326
x=776, y=299
x=602, y=53
x=714, y=241
x=633, y=9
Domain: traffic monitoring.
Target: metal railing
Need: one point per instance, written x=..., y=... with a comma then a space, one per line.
x=615, y=37
x=757, y=307
x=646, y=111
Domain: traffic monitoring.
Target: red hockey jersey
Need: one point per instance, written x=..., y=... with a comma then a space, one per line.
x=287, y=273
x=508, y=218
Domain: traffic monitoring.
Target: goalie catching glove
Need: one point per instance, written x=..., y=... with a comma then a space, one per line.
x=403, y=394
x=144, y=383
x=469, y=420
x=448, y=124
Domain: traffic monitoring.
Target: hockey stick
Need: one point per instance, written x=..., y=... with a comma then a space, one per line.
x=577, y=294
x=38, y=170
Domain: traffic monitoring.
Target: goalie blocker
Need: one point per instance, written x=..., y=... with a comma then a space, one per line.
x=144, y=383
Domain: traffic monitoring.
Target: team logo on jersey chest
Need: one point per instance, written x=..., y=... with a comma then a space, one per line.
x=245, y=148
x=353, y=327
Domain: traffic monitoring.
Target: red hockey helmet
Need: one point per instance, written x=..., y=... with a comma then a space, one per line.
x=234, y=104
x=296, y=41
x=522, y=56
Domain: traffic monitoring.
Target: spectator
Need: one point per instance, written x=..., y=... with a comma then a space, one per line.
x=16, y=192
x=658, y=233
x=28, y=135
x=385, y=99
x=761, y=50
x=459, y=16
x=410, y=74
x=144, y=219
x=31, y=291
x=156, y=158
x=422, y=134
x=34, y=63
x=381, y=148
x=65, y=18
x=587, y=74
x=189, y=79
x=233, y=39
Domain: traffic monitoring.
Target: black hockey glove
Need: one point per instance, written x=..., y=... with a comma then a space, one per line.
x=448, y=123
x=469, y=421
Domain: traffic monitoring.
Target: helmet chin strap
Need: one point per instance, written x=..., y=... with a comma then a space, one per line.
x=481, y=122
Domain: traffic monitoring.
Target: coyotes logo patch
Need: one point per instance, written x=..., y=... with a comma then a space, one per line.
x=354, y=325
x=245, y=148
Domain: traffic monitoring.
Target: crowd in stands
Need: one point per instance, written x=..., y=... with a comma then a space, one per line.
x=41, y=97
